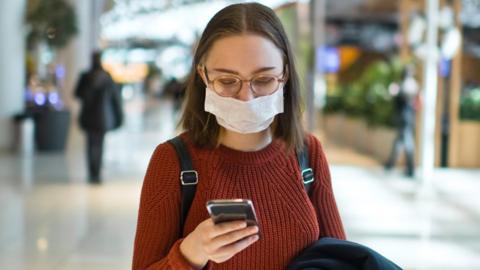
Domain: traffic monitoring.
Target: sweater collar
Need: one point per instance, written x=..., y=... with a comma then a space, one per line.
x=272, y=150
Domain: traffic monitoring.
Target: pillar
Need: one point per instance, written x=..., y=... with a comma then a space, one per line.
x=12, y=66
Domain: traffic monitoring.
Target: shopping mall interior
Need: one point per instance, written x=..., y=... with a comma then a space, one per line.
x=352, y=58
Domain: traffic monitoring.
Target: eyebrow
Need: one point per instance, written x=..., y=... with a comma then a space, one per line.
x=224, y=70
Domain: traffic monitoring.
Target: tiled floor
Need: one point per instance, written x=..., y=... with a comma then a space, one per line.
x=50, y=219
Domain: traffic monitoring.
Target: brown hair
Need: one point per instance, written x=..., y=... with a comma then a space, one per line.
x=237, y=19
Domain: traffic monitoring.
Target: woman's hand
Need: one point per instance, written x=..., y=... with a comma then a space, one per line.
x=217, y=243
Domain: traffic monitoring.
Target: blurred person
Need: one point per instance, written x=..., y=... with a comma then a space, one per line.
x=405, y=100
x=153, y=82
x=243, y=127
x=101, y=112
x=175, y=89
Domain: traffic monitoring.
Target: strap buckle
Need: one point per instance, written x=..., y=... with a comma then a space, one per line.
x=189, y=178
x=308, y=176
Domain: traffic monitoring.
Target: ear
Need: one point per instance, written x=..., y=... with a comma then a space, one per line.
x=201, y=73
x=286, y=71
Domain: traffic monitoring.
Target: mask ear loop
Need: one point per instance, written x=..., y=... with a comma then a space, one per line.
x=217, y=144
x=205, y=127
x=284, y=78
x=200, y=71
x=209, y=116
x=285, y=74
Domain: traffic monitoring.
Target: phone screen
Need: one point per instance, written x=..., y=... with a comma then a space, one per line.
x=231, y=210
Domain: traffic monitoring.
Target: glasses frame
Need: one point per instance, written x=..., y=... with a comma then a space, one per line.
x=281, y=79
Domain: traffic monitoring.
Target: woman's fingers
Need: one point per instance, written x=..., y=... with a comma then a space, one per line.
x=220, y=242
x=232, y=237
x=224, y=228
x=228, y=251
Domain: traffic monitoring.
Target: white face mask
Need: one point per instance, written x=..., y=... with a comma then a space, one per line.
x=244, y=116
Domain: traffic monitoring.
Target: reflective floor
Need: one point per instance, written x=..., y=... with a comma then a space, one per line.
x=50, y=218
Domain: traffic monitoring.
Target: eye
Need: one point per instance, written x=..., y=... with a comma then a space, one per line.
x=227, y=81
x=264, y=80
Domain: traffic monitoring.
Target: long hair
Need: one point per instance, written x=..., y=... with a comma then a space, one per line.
x=237, y=19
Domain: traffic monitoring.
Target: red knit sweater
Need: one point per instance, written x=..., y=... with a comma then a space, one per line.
x=288, y=220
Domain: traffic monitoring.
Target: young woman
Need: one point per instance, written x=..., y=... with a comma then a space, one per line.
x=243, y=127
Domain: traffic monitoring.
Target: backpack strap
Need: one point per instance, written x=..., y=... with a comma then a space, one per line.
x=306, y=171
x=188, y=178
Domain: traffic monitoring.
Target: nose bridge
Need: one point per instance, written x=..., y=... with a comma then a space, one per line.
x=246, y=92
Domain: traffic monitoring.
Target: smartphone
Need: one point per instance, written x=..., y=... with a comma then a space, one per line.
x=232, y=210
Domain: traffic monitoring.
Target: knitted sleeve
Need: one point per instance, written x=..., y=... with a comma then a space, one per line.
x=322, y=196
x=157, y=238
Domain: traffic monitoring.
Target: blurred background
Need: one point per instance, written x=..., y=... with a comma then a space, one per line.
x=352, y=57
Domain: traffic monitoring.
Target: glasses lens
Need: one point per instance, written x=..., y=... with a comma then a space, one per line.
x=265, y=85
x=227, y=86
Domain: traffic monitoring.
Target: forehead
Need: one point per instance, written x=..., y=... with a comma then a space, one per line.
x=244, y=52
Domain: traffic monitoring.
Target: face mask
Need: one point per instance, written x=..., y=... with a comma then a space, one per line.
x=244, y=116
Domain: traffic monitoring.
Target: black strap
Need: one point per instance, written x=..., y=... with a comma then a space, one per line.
x=305, y=170
x=188, y=178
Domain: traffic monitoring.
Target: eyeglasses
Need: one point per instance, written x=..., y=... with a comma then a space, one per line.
x=230, y=85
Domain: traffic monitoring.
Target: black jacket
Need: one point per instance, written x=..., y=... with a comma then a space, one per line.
x=333, y=254
x=404, y=110
x=101, y=102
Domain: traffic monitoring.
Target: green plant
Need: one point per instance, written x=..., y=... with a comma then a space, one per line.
x=354, y=99
x=381, y=109
x=333, y=104
x=368, y=96
x=53, y=21
x=470, y=105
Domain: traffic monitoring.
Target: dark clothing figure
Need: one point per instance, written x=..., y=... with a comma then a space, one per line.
x=95, y=154
x=101, y=112
x=405, y=119
x=405, y=138
x=175, y=89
